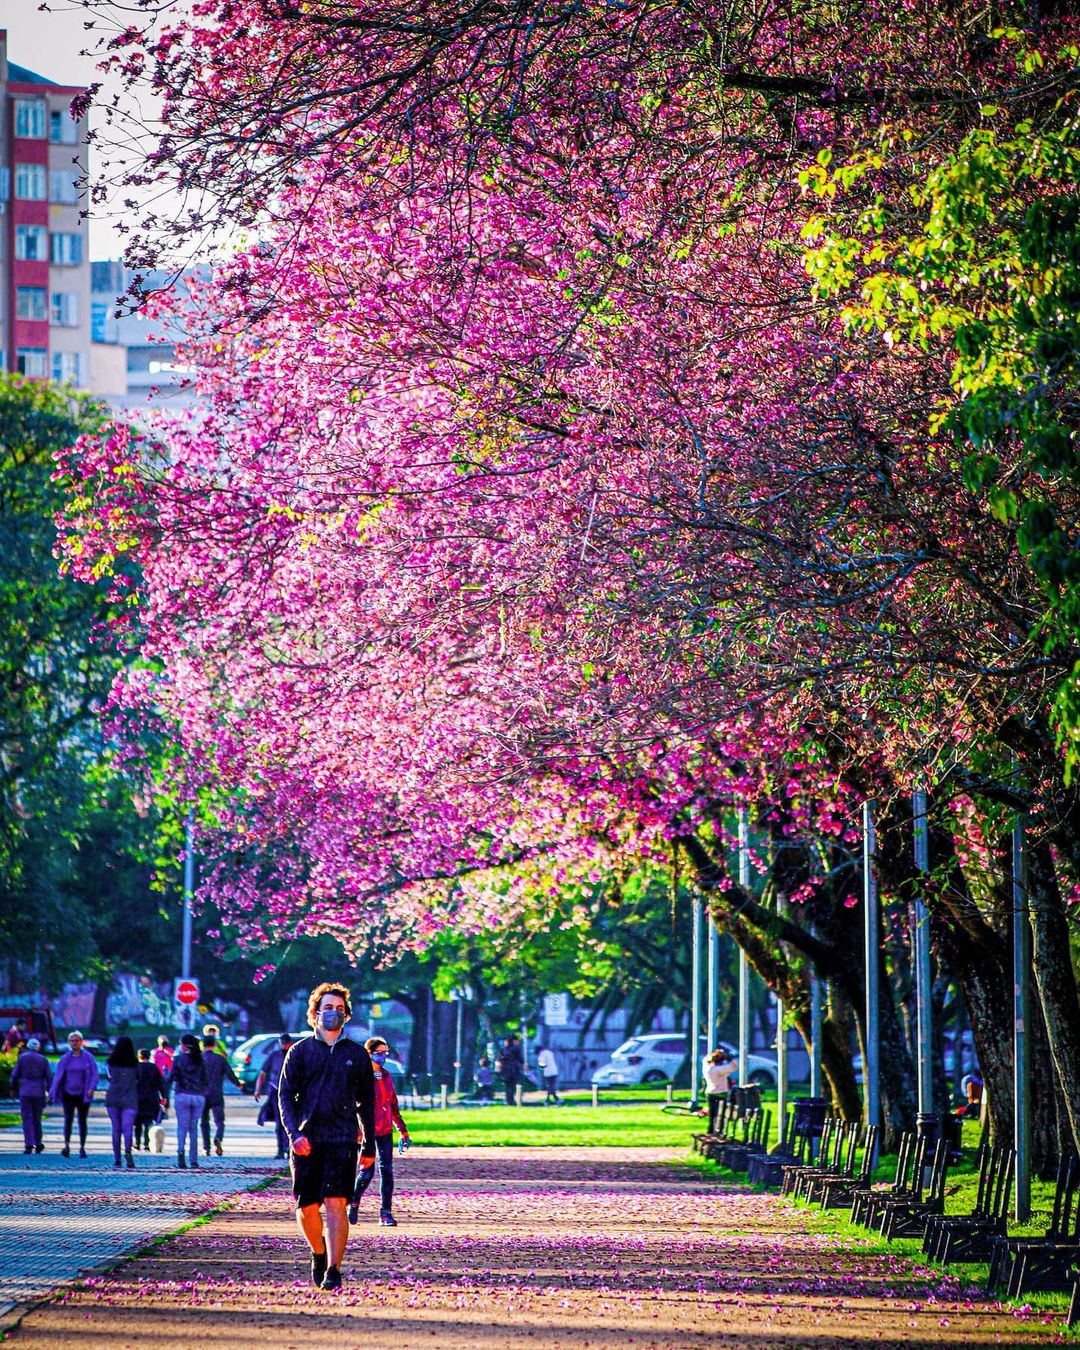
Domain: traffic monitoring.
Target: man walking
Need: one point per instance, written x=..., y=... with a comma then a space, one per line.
x=549, y=1068
x=269, y=1078
x=30, y=1078
x=510, y=1065
x=218, y=1069
x=327, y=1088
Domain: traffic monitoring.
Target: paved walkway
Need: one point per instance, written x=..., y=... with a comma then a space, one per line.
x=62, y=1217
x=598, y=1249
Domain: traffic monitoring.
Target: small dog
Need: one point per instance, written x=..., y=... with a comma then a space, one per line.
x=157, y=1138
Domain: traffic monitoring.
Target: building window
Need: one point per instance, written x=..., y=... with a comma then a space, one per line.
x=62, y=130
x=64, y=311
x=31, y=243
x=66, y=250
x=30, y=118
x=67, y=367
x=30, y=182
x=31, y=302
x=33, y=361
x=63, y=187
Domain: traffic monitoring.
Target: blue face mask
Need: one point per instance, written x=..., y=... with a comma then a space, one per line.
x=332, y=1019
x=380, y=1056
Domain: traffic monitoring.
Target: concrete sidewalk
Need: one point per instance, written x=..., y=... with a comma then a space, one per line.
x=61, y=1218
x=540, y=1248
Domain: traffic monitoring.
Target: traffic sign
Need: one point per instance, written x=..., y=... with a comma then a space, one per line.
x=186, y=992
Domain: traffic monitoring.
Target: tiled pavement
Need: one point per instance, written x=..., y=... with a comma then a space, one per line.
x=61, y=1218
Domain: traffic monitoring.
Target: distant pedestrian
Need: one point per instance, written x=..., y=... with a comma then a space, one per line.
x=269, y=1079
x=484, y=1080
x=212, y=1033
x=719, y=1068
x=549, y=1069
x=122, y=1097
x=327, y=1101
x=218, y=1069
x=387, y=1115
x=30, y=1079
x=188, y=1085
x=151, y=1092
x=74, y=1085
x=17, y=1037
x=510, y=1065
x=163, y=1057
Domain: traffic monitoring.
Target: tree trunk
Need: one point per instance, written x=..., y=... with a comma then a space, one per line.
x=1055, y=981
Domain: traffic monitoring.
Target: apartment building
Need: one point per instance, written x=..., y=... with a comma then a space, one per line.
x=45, y=315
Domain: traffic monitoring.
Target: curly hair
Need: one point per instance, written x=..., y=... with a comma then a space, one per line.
x=319, y=993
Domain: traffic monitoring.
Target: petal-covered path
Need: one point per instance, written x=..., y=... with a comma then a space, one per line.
x=532, y=1247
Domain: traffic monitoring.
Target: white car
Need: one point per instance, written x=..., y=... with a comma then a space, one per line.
x=658, y=1058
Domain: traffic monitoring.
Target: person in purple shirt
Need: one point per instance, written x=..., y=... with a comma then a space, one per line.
x=30, y=1078
x=73, y=1085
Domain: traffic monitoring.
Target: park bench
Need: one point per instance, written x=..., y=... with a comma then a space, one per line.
x=907, y=1216
x=792, y=1147
x=826, y=1161
x=706, y=1140
x=1038, y=1265
x=755, y=1140
x=1061, y=1237
x=862, y=1196
x=838, y=1192
x=845, y=1137
x=966, y=1237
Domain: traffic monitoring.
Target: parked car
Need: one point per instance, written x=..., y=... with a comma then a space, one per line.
x=658, y=1058
x=249, y=1058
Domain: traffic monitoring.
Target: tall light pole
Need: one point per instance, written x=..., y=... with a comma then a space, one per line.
x=924, y=1025
x=744, y=965
x=713, y=983
x=1021, y=935
x=695, y=1004
x=872, y=947
x=189, y=892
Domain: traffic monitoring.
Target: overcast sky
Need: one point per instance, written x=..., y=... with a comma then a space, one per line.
x=49, y=44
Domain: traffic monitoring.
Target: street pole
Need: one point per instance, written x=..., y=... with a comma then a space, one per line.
x=922, y=965
x=744, y=965
x=695, y=1005
x=714, y=978
x=1021, y=936
x=189, y=893
x=872, y=948
x=457, y=1048
x=815, y=1034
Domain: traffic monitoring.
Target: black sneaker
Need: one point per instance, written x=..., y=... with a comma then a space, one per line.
x=354, y=1213
x=181, y=1161
x=40, y=1148
x=332, y=1278
x=318, y=1269
x=65, y=1152
x=82, y=1153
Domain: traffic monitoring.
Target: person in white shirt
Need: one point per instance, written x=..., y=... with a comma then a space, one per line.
x=718, y=1067
x=549, y=1068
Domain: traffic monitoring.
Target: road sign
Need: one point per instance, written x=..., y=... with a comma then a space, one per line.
x=186, y=992
x=556, y=1010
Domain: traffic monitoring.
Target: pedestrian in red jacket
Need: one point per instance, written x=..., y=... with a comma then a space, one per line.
x=387, y=1115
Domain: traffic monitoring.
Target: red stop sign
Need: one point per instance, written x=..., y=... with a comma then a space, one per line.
x=187, y=991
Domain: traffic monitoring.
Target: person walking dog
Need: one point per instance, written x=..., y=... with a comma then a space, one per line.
x=327, y=1091
x=30, y=1079
x=189, y=1085
x=150, y=1086
x=74, y=1085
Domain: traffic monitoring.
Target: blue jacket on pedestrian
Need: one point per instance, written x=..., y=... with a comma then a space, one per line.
x=218, y=1069
x=32, y=1075
x=189, y=1077
x=76, y=1075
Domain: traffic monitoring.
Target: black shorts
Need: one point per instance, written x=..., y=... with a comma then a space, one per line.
x=329, y=1170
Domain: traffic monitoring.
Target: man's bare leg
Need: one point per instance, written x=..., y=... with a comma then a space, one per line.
x=337, y=1227
x=309, y=1221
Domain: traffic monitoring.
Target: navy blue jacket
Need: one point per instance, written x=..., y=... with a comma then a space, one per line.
x=323, y=1091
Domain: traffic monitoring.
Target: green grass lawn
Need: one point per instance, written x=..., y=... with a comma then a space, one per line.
x=575, y=1125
